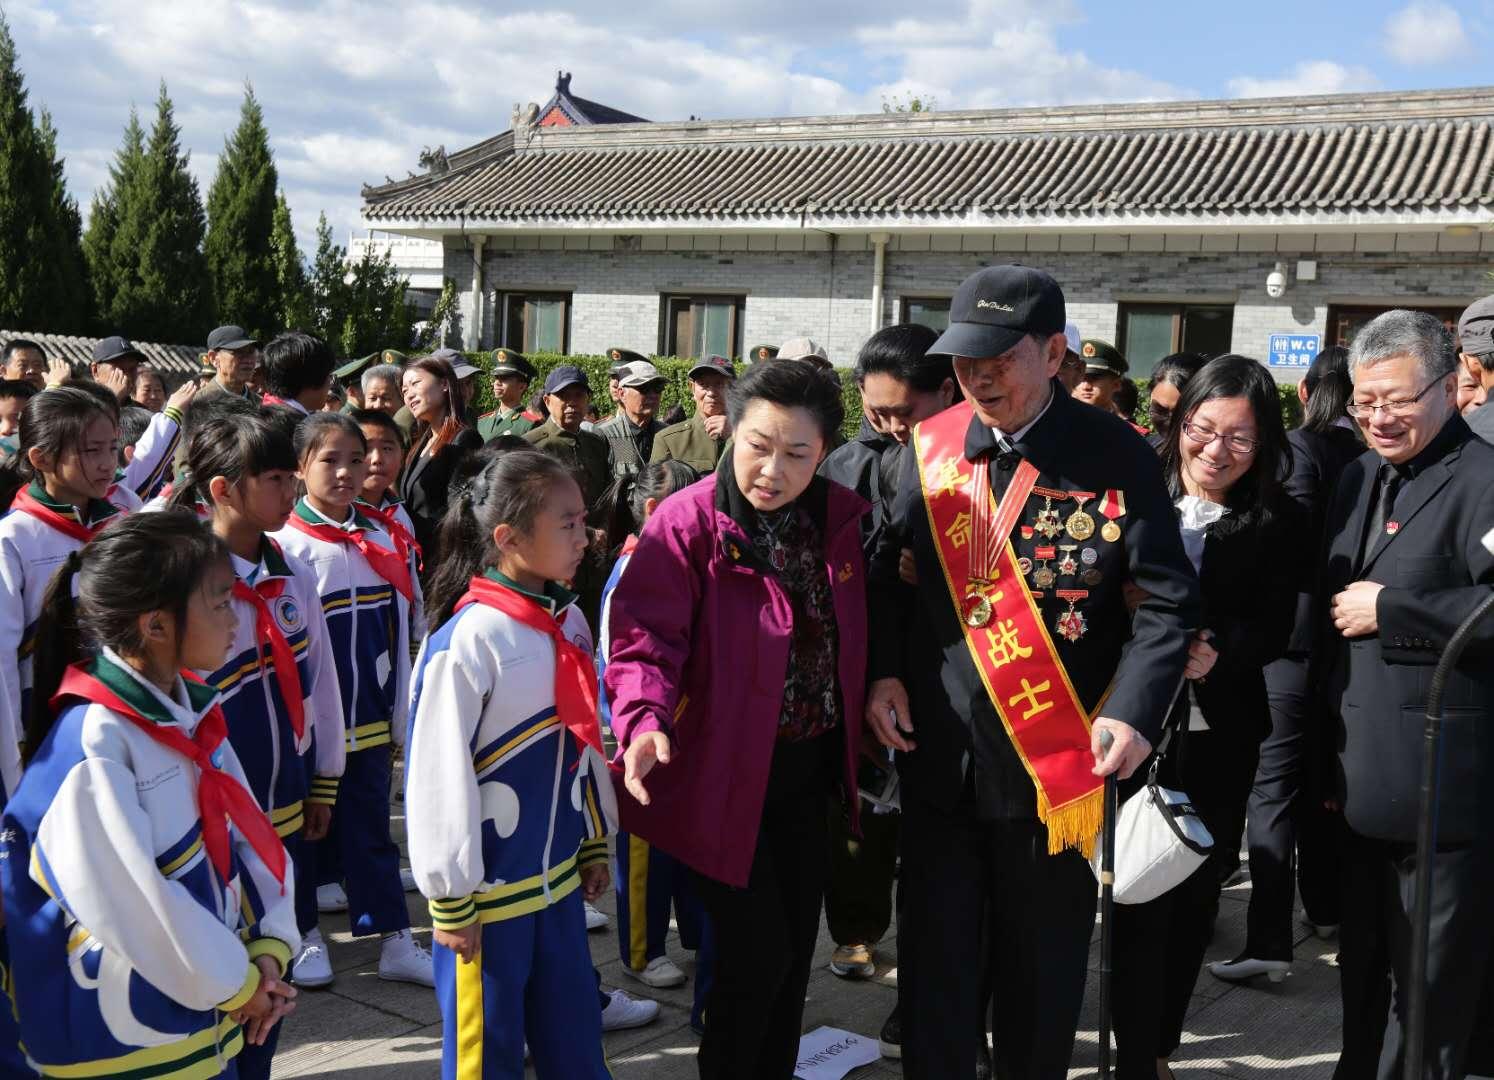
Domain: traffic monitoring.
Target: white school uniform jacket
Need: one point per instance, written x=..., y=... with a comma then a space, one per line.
x=150, y=466
x=31, y=551
x=258, y=723
x=127, y=950
x=503, y=808
x=367, y=624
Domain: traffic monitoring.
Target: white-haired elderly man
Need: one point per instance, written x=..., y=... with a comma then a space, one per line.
x=1403, y=565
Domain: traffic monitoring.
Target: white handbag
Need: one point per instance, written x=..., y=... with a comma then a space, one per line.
x=1159, y=840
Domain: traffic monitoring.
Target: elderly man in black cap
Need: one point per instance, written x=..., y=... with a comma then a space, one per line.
x=700, y=441
x=1476, y=354
x=993, y=678
x=566, y=397
x=115, y=364
x=233, y=355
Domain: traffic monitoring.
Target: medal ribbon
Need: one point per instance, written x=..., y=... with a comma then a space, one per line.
x=575, y=672
x=392, y=566
x=30, y=504
x=267, y=629
x=1113, y=504
x=221, y=799
x=1014, y=654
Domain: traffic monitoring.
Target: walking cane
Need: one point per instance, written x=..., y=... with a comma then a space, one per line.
x=1426, y=836
x=1107, y=907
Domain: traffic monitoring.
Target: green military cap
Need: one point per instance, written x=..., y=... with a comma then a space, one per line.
x=512, y=362
x=356, y=367
x=762, y=352
x=1102, y=357
x=393, y=356
x=620, y=358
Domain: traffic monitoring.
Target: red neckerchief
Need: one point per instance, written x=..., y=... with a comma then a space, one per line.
x=30, y=504
x=271, y=399
x=575, y=673
x=628, y=545
x=220, y=797
x=266, y=628
x=404, y=540
x=392, y=566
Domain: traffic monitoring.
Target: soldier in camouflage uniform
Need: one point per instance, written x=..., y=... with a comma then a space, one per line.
x=700, y=441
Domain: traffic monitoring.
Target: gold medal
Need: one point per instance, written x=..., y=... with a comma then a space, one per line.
x=1110, y=531
x=1080, y=525
x=978, y=611
x=1044, y=578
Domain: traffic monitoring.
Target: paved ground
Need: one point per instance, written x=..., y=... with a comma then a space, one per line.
x=362, y=1027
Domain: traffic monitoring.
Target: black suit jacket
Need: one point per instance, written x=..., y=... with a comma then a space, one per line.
x=1318, y=460
x=425, y=486
x=916, y=635
x=1435, y=571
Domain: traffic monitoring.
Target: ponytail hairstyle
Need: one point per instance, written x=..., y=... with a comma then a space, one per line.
x=317, y=428
x=626, y=501
x=1329, y=389
x=53, y=422
x=234, y=445
x=510, y=490
x=140, y=563
x=455, y=418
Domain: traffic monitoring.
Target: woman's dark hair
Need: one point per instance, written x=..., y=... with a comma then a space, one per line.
x=456, y=412
x=901, y=351
x=296, y=362
x=626, y=501
x=140, y=563
x=1255, y=494
x=382, y=420
x=1176, y=370
x=1126, y=397
x=509, y=490
x=232, y=446
x=1329, y=389
x=804, y=386
x=99, y=390
x=53, y=422
x=317, y=428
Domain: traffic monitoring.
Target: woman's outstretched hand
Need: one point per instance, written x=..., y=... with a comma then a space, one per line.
x=647, y=750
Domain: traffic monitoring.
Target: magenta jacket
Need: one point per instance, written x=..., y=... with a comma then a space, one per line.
x=699, y=633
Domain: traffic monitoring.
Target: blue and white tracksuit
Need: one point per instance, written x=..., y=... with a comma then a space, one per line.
x=368, y=627
x=504, y=810
x=149, y=468
x=649, y=882
x=128, y=950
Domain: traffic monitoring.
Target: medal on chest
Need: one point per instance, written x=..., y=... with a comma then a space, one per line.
x=1072, y=625
x=1049, y=523
x=1112, y=507
x=1044, y=577
x=1067, y=566
x=982, y=547
x=1080, y=525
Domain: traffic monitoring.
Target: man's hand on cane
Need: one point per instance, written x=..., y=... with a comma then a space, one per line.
x=1125, y=754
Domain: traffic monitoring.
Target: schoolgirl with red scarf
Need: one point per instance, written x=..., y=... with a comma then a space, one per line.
x=507, y=796
x=150, y=902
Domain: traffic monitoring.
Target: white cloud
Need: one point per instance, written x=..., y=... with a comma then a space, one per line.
x=1424, y=33
x=1308, y=77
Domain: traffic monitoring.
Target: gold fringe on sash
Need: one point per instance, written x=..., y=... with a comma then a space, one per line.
x=1076, y=825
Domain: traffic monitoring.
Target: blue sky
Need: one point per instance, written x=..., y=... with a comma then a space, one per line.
x=353, y=89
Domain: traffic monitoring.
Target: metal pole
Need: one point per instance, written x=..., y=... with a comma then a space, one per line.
x=1426, y=841
x=1107, y=907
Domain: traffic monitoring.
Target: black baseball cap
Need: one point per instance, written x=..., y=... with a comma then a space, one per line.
x=111, y=350
x=1476, y=328
x=563, y=376
x=229, y=337
x=997, y=307
x=720, y=365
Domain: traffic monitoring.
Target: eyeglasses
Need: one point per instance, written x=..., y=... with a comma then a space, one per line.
x=1392, y=408
x=1202, y=436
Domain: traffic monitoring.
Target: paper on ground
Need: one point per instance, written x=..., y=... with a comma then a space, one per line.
x=828, y=1053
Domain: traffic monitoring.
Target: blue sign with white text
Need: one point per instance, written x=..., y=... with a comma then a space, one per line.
x=1293, y=350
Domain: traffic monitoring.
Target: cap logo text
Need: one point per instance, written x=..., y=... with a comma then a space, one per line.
x=995, y=305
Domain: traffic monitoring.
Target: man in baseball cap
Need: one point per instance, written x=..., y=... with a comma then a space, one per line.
x=618, y=359
x=1476, y=353
x=512, y=374
x=566, y=397
x=116, y=354
x=233, y=355
x=975, y=673
x=1072, y=368
x=700, y=440
x=803, y=348
x=631, y=429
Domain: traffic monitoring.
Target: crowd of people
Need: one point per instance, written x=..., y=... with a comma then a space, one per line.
x=742, y=671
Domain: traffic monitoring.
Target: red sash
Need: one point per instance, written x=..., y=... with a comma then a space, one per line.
x=30, y=504
x=266, y=628
x=404, y=541
x=392, y=566
x=1005, y=633
x=220, y=797
x=575, y=673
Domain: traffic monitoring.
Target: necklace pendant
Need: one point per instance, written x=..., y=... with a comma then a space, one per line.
x=778, y=558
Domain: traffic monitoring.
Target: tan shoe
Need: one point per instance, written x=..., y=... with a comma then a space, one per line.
x=853, y=962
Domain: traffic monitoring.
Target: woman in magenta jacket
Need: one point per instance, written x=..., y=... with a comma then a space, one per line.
x=736, y=676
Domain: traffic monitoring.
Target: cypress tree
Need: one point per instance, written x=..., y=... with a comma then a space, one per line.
x=160, y=288
x=293, y=303
x=241, y=209
x=103, y=221
x=42, y=284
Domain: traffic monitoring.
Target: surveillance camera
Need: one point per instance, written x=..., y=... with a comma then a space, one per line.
x=1276, y=282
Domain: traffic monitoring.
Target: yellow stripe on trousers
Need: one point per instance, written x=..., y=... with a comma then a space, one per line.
x=469, y=1017
x=637, y=902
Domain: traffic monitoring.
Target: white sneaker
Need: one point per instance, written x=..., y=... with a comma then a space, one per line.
x=595, y=920
x=403, y=959
x=407, y=879
x=623, y=1011
x=312, y=967
x=1245, y=967
x=661, y=973
x=331, y=899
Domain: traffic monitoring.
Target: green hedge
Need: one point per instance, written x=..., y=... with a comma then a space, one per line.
x=677, y=392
